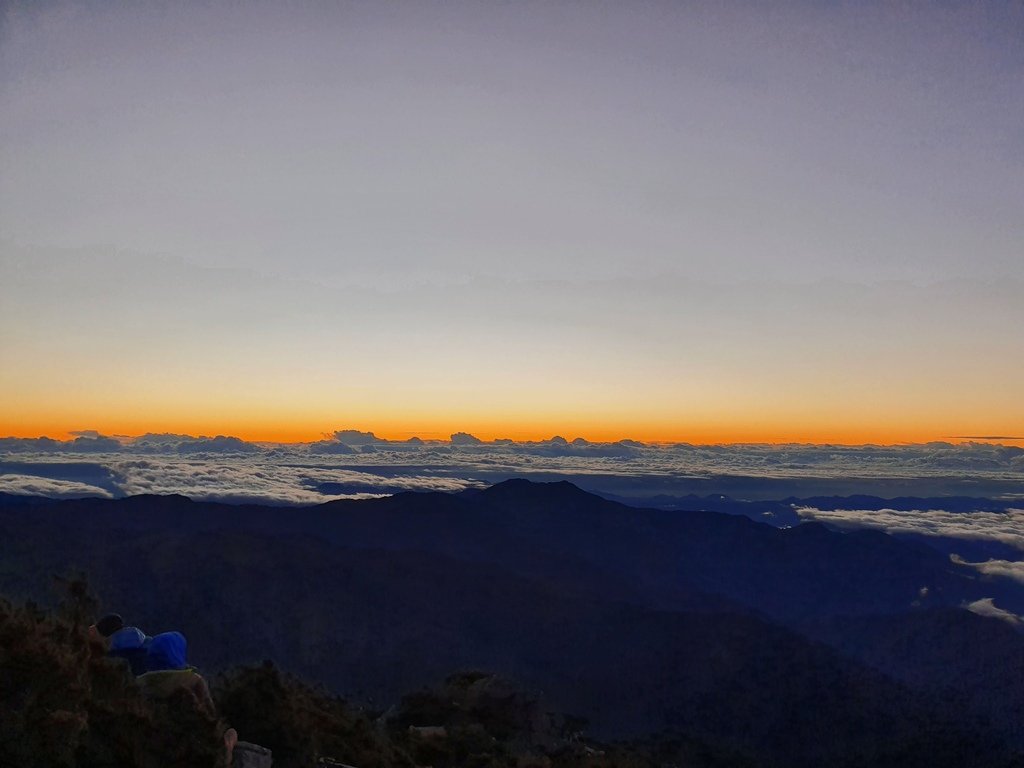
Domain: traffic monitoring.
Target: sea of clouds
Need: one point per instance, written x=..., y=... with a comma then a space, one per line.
x=354, y=464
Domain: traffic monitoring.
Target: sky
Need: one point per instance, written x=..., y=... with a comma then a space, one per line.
x=702, y=222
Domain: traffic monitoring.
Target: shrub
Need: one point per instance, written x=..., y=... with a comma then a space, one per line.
x=299, y=723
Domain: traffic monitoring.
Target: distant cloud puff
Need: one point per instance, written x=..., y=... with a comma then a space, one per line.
x=355, y=437
x=464, y=438
x=94, y=445
x=633, y=443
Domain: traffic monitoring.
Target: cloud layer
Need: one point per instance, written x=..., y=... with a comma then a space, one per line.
x=352, y=462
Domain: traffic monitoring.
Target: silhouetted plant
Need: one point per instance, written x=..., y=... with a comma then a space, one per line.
x=300, y=723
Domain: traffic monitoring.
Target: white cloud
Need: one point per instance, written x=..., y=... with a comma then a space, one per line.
x=355, y=437
x=986, y=607
x=238, y=479
x=30, y=485
x=1005, y=527
x=1007, y=569
x=464, y=438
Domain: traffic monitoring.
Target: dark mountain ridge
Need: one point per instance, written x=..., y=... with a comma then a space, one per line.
x=659, y=557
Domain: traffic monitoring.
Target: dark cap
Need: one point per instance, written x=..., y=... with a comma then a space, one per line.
x=109, y=624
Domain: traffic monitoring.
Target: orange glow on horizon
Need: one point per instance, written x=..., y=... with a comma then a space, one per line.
x=654, y=434
x=575, y=395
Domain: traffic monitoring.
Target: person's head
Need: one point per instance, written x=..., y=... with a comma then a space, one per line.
x=167, y=651
x=106, y=626
x=109, y=624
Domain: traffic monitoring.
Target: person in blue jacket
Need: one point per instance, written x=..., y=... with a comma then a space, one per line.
x=132, y=645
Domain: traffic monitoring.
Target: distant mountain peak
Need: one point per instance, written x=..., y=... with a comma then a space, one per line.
x=529, y=490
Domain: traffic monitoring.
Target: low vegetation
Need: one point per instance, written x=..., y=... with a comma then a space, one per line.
x=64, y=703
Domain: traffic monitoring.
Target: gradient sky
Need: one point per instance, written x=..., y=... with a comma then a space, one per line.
x=666, y=221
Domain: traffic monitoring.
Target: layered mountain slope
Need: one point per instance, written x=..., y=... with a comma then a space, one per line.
x=636, y=619
x=562, y=535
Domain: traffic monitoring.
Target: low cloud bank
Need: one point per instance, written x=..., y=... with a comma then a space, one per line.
x=909, y=460
x=1006, y=569
x=80, y=444
x=243, y=480
x=32, y=485
x=186, y=444
x=1003, y=527
x=229, y=468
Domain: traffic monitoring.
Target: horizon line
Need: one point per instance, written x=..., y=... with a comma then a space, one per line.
x=435, y=437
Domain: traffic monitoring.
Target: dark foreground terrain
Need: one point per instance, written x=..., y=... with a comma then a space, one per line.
x=698, y=638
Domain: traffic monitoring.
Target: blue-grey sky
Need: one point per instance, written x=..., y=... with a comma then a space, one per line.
x=361, y=140
x=637, y=154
